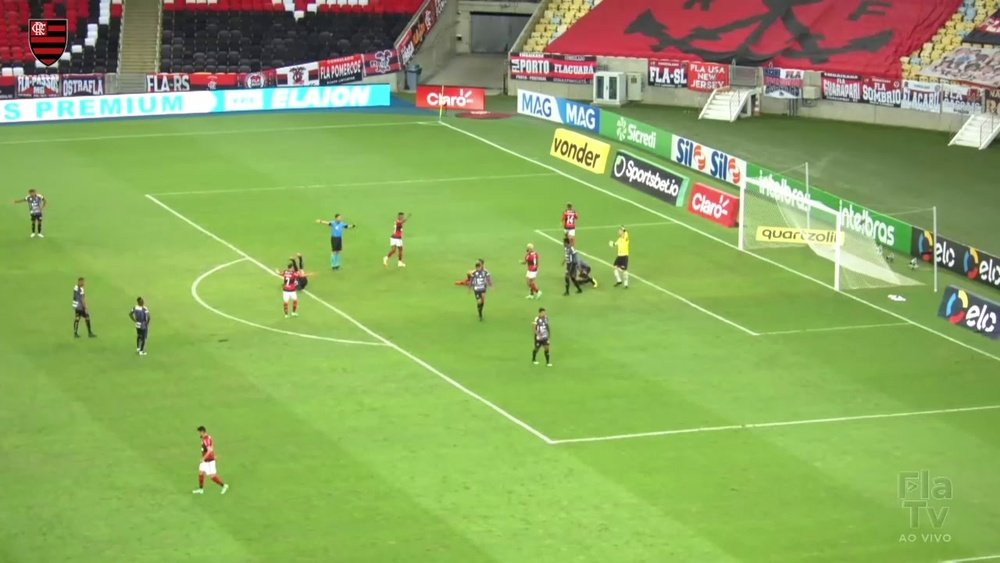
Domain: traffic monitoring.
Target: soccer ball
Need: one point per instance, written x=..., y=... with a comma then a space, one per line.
x=913, y=264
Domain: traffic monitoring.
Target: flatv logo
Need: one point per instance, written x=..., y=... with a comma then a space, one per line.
x=759, y=30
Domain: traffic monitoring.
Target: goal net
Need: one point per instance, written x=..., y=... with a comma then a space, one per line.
x=798, y=229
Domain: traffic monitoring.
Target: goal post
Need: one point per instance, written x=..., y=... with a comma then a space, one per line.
x=794, y=230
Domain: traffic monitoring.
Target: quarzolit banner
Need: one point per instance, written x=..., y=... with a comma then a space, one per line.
x=921, y=96
x=549, y=67
x=783, y=83
x=707, y=77
x=956, y=98
x=842, y=87
x=969, y=262
x=636, y=134
x=668, y=74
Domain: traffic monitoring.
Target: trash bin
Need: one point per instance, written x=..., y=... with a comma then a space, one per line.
x=413, y=72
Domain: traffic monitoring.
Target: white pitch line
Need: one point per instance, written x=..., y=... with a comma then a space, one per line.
x=361, y=184
x=493, y=406
x=980, y=558
x=784, y=423
x=597, y=227
x=197, y=297
x=216, y=132
x=721, y=241
x=830, y=329
x=680, y=298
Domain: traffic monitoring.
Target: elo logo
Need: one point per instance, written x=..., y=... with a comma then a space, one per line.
x=970, y=263
x=944, y=254
x=970, y=311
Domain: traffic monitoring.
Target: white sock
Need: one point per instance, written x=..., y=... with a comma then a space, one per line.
x=626, y=277
x=618, y=275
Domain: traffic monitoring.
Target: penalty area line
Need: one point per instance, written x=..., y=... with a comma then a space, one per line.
x=779, y=424
x=665, y=291
x=830, y=329
x=197, y=297
x=970, y=559
x=390, y=344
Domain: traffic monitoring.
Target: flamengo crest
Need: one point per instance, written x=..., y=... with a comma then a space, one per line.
x=47, y=39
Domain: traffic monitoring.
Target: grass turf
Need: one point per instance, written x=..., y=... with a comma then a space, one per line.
x=366, y=453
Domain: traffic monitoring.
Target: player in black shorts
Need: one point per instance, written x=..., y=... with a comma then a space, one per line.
x=141, y=317
x=480, y=281
x=572, y=261
x=80, y=310
x=583, y=271
x=541, y=329
x=36, y=205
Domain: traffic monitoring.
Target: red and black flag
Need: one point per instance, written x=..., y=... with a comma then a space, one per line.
x=47, y=39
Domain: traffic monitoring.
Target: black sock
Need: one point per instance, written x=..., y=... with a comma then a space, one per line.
x=142, y=343
x=138, y=343
x=479, y=307
x=548, y=359
x=567, y=284
x=534, y=354
x=76, y=326
x=89, y=331
x=576, y=284
x=39, y=226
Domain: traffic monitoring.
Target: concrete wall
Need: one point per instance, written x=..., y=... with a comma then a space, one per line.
x=439, y=45
x=820, y=109
x=463, y=26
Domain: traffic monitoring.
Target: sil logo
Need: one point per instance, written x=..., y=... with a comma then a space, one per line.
x=957, y=307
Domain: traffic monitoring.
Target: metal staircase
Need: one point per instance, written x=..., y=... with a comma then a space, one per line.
x=978, y=131
x=726, y=104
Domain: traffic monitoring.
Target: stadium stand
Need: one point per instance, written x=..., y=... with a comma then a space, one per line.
x=94, y=31
x=970, y=14
x=558, y=16
x=250, y=35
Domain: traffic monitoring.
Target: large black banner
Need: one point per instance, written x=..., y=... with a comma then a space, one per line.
x=649, y=178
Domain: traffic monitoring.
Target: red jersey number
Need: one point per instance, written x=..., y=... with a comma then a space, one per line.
x=531, y=259
x=207, y=449
x=569, y=219
x=289, y=280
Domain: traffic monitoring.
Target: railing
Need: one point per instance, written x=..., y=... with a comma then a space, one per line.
x=159, y=34
x=986, y=128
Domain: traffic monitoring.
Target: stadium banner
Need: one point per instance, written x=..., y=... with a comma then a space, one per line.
x=783, y=83
x=193, y=103
x=382, y=62
x=82, y=85
x=418, y=28
x=650, y=179
x=305, y=74
x=778, y=188
x=970, y=311
x=262, y=79
x=921, y=96
x=549, y=67
x=668, y=74
x=38, y=86
x=342, y=70
x=579, y=150
x=956, y=98
x=214, y=81
x=878, y=227
x=786, y=235
x=842, y=87
x=559, y=110
x=964, y=260
x=8, y=87
x=707, y=160
x=707, y=77
x=168, y=82
x=715, y=205
x=451, y=97
x=987, y=33
x=636, y=134
x=879, y=91
x=991, y=101
x=974, y=65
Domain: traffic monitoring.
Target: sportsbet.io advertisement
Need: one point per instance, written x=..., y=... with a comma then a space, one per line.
x=887, y=231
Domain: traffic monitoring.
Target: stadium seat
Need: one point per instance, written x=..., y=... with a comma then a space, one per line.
x=94, y=32
x=969, y=15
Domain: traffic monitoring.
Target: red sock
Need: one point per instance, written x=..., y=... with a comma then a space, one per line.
x=217, y=480
x=286, y=308
x=201, y=480
x=295, y=306
x=533, y=286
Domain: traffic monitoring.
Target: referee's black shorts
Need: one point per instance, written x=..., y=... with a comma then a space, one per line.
x=336, y=244
x=621, y=262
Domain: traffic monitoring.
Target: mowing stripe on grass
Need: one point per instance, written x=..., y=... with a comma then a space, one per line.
x=214, y=132
x=830, y=329
x=361, y=184
x=493, y=406
x=784, y=423
x=720, y=241
x=203, y=277
x=680, y=298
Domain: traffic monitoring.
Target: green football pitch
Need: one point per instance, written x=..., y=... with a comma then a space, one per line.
x=726, y=407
